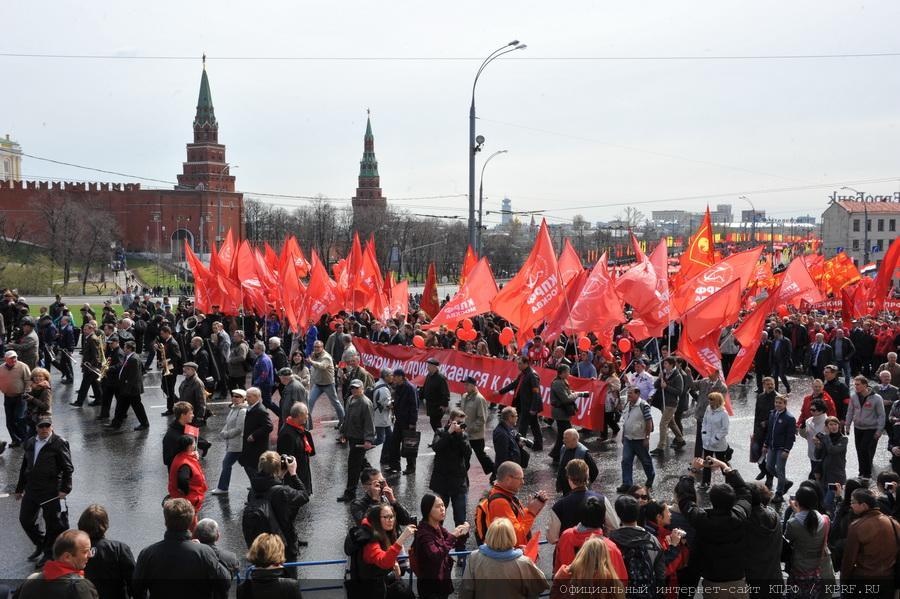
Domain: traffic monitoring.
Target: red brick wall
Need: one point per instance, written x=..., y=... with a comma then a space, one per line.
x=133, y=208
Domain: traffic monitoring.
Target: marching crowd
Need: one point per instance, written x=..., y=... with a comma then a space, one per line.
x=607, y=542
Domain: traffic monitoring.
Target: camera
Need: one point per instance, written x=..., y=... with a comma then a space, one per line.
x=526, y=442
x=285, y=460
x=461, y=425
x=707, y=461
x=832, y=486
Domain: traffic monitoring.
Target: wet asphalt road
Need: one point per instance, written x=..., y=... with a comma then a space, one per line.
x=124, y=472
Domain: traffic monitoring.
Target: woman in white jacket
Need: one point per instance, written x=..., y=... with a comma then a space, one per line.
x=233, y=433
x=714, y=433
x=814, y=428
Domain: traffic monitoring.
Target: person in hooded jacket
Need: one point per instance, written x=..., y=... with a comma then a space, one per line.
x=762, y=538
x=294, y=440
x=432, y=546
x=286, y=495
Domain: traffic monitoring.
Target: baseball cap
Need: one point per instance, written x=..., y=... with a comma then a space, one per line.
x=399, y=372
x=285, y=371
x=356, y=384
x=10, y=354
x=470, y=380
x=433, y=361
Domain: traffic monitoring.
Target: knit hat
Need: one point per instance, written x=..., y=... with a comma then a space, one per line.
x=427, y=503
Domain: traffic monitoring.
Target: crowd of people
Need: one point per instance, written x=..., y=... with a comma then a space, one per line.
x=608, y=540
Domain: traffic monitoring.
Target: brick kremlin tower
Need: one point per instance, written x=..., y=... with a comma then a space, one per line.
x=206, y=167
x=368, y=193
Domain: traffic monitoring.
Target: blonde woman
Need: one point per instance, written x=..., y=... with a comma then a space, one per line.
x=266, y=555
x=592, y=569
x=715, y=432
x=499, y=569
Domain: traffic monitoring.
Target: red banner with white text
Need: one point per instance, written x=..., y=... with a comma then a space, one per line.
x=491, y=374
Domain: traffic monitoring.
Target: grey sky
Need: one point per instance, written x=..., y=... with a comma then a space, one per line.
x=579, y=132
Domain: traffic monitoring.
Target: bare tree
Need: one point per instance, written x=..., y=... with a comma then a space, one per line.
x=632, y=217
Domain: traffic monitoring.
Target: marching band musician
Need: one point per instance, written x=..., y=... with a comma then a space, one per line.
x=66, y=342
x=170, y=361
x=114, y=359
x=221, y=344
x=91, y=363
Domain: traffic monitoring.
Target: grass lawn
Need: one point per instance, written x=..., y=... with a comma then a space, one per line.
x=148, y=272
x=34, y=309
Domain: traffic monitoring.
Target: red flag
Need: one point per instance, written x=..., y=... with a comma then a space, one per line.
x=646, y=288
x=228, y=255
x=368, y=281
x=472, y=299
x=271, y=257
x=704, y=355
x=886, y=273
x=700, y=253
x=293, y=251
x=713, y=313
x=430, y=303
x=232, y=295
x=797, y=285
x=202, y=279
x=469, y=262
x=291, y=295
x=743, y=361
x=560, y=321
x=569, y=263
x=399, y=304
x=596, y=305
x=748, y=331
x=531, y=547
x=739, y=266
x=535, y=293
x=268, y=280
x=253, y=291
x=637, y=328
x=353, y=266
x=321, y=295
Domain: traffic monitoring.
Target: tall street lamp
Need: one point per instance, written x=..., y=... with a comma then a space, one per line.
x=481, y=196
x=753, y=222
x=475, y=143
x=862, y=198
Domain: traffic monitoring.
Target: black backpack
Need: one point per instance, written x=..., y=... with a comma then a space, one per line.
x=258, y=516
x=638, y=563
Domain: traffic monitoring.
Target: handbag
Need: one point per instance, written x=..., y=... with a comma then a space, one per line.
x=409, y=443
x=524, y=458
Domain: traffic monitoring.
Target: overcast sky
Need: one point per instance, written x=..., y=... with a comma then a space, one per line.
x=584, y=136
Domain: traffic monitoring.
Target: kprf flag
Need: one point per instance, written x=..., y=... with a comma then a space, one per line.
x=569, y=263
x=472, y=299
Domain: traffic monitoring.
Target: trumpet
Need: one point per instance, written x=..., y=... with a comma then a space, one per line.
x=166, y=368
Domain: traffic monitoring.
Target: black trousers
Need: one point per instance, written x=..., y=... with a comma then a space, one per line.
x=106, y=404
x=394, y=444
x=561, y=427
x=707, y=472
x=355, y=461
x=609, y=423
x=236, y=382
x=528, y=420
x=435, y=414
x=65, y=363
x=123, y=402
x=487, y=464
x=29, y=512
x=168, y=388
x=88, y=381
x=865, y=450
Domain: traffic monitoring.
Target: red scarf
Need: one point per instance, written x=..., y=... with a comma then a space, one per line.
x=306, y=446
x=56, y=569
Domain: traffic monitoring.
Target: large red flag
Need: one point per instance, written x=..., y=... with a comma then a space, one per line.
x=569, y=263
x=232, y=295
x=472, y=299
x=321, y=295
x=704, y=355
x=253, y=291
x=739, y=266
x=797, y=285
x=886, y=273
x=271, y=257
x=202, y=279
x=469, y=262
x=536, y=291
x=293, y=251
x=713, y=313
x=748, y=331
x=291, y=295
x=700, y=253
x=837, y=274
x=228, y=256
x=595, y=308
x=645, y=287
x=399, y=303
x=430, y=303
x=368, y=281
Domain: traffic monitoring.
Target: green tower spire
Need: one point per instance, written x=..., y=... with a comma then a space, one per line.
x=368, y=166
x=205, y=112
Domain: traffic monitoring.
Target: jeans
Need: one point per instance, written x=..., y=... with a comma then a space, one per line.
x=14, y=406
x=865, y=449
x=668, y=422
x=331, y=392
x=775, y=462
x=487, y=464
x=230, y=459
x=459, y=502
x=630, y=449
x=844, y=366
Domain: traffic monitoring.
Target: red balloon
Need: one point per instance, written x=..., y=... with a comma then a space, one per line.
x=471, y=335
x=506, y=336
x=419, y=341
x=782, y=310
x=467, y=324
x=624, y=344
x=460, y=334
x=584, y=344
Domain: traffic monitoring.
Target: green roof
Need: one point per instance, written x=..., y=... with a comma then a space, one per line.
x=205, y=113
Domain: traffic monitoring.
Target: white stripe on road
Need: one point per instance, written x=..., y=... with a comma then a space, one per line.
x=4, y=495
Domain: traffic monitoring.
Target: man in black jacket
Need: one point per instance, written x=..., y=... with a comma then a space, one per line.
x=184, y=414
x=257, y=426
x=45, y=479
x=450, y=475
x=765, y=403
x=820, y=355
x=527, y=400
x=720, y=529
x=130, y=387
x=762, y=361
x=435, y=393
x=177, y=567
x=406, y=414
x=377, y=491
x=507, y=440
x=837, y=390
x=669, y=387
x=780, y=359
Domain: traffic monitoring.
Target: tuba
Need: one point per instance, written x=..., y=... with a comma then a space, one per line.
x=190, y=323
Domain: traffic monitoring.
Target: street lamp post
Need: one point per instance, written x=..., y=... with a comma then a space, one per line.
x=753, y=221
x=478, y=249
x=475, y=143
x=862, y=198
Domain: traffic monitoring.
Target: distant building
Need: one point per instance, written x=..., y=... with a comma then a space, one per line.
x=506, y=212
x=749, y=216
x=722, y=214
x=10, y=159
x=850, y=226
x=805, y=220
x=368, y=204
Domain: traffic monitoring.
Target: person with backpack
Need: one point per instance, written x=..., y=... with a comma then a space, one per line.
x=807, y=533
x=573, y=449
x=429, y=555
x=641, y=551
x=501, y=502
x=498, y=568
x=275, y=498
x=376, y=491
x=721, y=542
x=373, y=547
x=566, y=512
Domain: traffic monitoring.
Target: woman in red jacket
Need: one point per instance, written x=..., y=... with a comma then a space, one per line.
x=186, y=478
x=379, y=556
x=818, y=392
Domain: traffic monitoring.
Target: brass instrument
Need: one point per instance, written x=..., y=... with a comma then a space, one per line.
x=190, y=323
x=166, y=369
